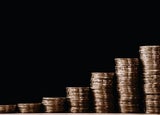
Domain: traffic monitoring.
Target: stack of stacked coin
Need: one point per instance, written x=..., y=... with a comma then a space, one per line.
x=54, y=104
x=128, y=84
x=29, y=107
x=7, y=108
x=78, y=99
x=150, y=58
x=102, y=85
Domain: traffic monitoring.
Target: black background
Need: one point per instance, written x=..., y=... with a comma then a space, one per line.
x=43, y=54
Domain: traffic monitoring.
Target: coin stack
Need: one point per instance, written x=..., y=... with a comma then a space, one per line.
x=7, y=108
x=102, y=85
x=150, y=58
x=78, y=99
x=128, y=84
x=29, y=107
x=54, y=104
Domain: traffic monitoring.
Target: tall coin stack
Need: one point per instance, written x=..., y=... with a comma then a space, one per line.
x=128, y=84
x=29, y=107
x=78, y=99
x=54, y=104
x=102, y=84
x=150, y=58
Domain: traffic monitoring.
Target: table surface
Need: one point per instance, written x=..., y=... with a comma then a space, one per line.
x=78, y=114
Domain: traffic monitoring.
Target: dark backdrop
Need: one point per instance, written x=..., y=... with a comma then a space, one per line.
x=41, y=57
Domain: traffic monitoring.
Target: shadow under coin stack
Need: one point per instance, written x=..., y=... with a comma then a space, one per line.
x=78, y=99
x=8, y=108
x=29, y=107
x=150, y=58
x=54, y=104
x=103, y=92
x=128, y=84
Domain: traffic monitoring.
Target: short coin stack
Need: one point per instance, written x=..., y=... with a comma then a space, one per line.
x=78, y=99
x=54, y=104
x=29, y=107
x=7, y=108
x=102, y=84
x=128, y=84
x=150, y=58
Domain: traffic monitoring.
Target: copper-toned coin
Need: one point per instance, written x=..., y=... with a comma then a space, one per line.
x=79, y=110
x=151, y=76
x=149, y=48
x=53, y=100
x=104, y=109
x=126, y=61
x=104, y=104
x=104, y=81
x=152, y=97
x=29, y=107
x=122, y=69
x=78, y=93
x=149, y=62
x=153, y=103
x=150, y=56
x=102, y=74
x=7, y=108
x=77, y=89
x=103, y=85
x=79, y=104
x=155, y=72
x=53, y=109
x=151, y=90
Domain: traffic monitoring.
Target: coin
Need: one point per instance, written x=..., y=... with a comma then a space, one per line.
x=150, y=58
x=102, y=85
x=127, y=72
x=29, y=107
x=8, y=108
x=54, y=104
x=78, y=99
